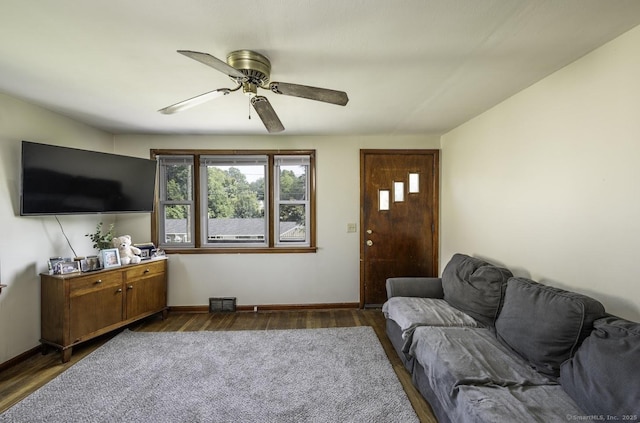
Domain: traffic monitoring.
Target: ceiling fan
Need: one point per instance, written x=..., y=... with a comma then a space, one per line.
x=250, y=71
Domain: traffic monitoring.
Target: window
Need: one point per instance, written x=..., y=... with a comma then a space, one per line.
x=176, y=205
x=292, y=199
x=253, y=201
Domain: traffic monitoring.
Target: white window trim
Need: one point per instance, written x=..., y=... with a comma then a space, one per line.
x=230, y=160
x=288, y=160
x=162, y=202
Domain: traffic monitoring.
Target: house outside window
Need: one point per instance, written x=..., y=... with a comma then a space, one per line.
x=246, y=201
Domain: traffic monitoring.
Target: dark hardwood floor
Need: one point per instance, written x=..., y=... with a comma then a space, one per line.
x=25, y=377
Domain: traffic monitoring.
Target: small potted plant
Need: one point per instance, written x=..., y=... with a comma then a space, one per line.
x=101, y=241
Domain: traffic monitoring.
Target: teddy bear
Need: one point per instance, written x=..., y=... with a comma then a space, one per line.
x=128, y=254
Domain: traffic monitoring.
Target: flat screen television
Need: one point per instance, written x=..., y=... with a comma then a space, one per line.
x=62, y=180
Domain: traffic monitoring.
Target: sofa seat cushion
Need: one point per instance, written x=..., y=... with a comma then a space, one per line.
x=604, y=375
x=545, y=325
x=412, y=312
x=458, y=356
x=463, y=355
x=475, y=287
x=508, y=404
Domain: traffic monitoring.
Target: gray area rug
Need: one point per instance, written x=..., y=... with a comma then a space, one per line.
x=302, y=375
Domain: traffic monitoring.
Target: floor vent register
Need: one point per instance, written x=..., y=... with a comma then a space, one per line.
x=222, y=304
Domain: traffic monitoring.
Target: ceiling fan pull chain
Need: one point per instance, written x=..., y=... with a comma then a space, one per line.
x=249, y=109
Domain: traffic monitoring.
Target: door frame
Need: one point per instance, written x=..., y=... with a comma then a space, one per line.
x=436, y=205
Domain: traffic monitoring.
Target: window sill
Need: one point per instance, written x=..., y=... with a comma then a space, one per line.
x=265, y=250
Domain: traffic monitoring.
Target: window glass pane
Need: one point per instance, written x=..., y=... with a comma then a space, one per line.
x=179, y=180
x=384, y=200
x=292, y=223
x=398, y=192
x=236, y=230
x=177, y=224
x=414, y=183
x=235, y=202
x=293, y=182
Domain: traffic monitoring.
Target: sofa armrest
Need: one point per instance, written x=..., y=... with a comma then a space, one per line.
x=415, y=287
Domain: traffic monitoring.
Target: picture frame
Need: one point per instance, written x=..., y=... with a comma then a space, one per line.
x=54, y=265
x=67, y=267
x=90, y=264
x=146, y=250
x=110, y=258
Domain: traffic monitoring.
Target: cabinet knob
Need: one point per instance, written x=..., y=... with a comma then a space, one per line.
x=130, y=287
x=119, y=290
x=146, y=270
x=99, y=281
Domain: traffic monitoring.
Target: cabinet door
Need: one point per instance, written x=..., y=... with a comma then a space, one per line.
x=95, y=309
x=146, y=287
x=146, y=295
x=95, y=302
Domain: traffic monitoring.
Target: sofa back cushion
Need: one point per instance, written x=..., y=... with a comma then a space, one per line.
x=602, y=377
x=475, y=287
x=545, y=325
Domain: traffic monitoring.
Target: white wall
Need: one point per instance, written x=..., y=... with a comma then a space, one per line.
x=28, y=242
x=548, y=182
x=329, y=276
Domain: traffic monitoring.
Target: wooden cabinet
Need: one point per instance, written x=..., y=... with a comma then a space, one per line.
x=78, y=307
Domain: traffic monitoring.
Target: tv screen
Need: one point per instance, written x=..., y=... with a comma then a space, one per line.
x=62, y=180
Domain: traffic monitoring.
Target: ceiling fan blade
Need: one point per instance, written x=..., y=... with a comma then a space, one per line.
x=214, y=62
x=267, y=114
x=312, y=93
x=194, y=101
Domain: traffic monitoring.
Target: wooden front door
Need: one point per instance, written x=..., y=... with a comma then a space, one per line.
x=398, y=218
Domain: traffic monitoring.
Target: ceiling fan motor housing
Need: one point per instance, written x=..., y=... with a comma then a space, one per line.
x=254, y=65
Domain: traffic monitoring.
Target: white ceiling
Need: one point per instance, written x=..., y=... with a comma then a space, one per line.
x=408, y=66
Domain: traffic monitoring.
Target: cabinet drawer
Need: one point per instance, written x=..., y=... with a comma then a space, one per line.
x=145, y=269
x=84, y=284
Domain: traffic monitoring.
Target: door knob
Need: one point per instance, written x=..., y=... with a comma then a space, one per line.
x=369, y=242
x=369, y=231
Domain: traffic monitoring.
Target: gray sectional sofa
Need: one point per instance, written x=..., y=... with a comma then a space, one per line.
x=485, y=346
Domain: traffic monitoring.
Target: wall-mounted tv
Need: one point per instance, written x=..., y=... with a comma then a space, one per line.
x=62, y=180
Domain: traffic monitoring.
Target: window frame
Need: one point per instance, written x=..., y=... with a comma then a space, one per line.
x=279, y=162
x=232, y=160
x=160, y=202
x=199, y=245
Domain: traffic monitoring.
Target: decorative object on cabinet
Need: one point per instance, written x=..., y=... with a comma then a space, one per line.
x=90, y=263
x=54, y=265
x=101, y=241
x=110, y=258
x=147, y=250
x=128, y=253
x=78, y=307
x=67, y=267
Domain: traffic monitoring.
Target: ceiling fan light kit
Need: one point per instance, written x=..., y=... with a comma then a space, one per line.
x=250, y=71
